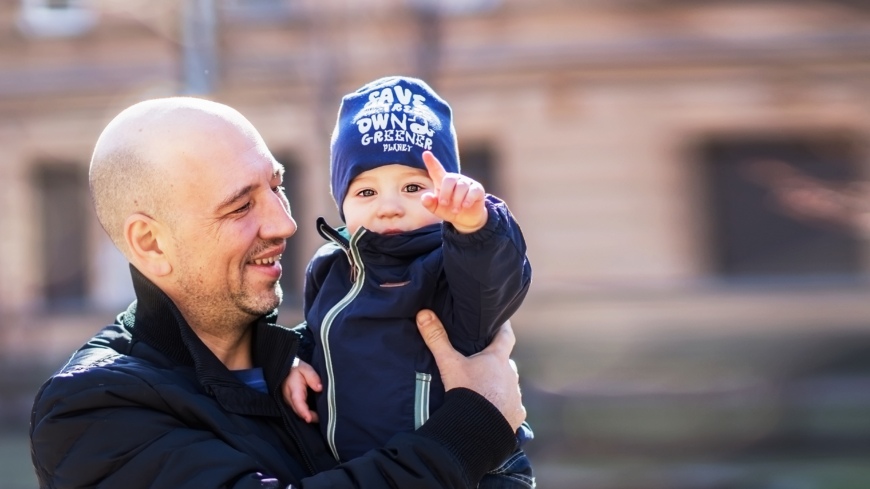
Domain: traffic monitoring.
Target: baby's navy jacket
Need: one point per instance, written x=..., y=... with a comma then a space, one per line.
x=362, y=294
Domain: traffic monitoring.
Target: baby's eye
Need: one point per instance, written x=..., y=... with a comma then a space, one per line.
x=366, y=192
x=413, y=187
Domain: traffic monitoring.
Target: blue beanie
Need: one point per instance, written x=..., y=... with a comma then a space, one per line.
x=389, y=121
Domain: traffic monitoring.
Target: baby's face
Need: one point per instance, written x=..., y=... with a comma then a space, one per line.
x=386, y=200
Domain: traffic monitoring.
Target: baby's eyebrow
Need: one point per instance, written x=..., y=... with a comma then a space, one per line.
x=361, y=181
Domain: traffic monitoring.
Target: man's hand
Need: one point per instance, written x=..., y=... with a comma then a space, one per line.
x=490, y=373
x=295, y=389
x=456, y=198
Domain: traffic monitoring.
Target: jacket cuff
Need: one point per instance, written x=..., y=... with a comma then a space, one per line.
x=494, y=209
x=306, y=344
x=473, y=430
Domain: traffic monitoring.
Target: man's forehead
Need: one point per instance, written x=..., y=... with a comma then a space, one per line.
x=261, y=152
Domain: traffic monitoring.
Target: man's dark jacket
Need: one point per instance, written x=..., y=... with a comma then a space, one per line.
x=146, y=404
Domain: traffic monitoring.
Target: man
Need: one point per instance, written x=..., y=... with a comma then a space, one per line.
x=190, y=194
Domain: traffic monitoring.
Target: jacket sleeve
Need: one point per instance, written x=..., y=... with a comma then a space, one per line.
x=487, y=272
x=116, y=433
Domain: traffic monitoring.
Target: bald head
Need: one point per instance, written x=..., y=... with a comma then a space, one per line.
x=141, y=152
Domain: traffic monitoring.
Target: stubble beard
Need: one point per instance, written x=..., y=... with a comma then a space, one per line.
x=245, y=296
x=229, y=309
x=247, y=300
x=235, y=303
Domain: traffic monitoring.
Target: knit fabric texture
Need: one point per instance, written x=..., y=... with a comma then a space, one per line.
x=391, y=120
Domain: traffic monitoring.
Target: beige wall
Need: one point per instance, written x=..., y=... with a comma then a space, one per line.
x=595, y=110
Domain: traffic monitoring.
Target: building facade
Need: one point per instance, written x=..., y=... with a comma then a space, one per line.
x=675, y=165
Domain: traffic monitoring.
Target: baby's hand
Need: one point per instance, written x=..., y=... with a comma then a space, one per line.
x=295, y=389
x=456, y=198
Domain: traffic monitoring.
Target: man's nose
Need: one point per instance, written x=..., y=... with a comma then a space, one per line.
x=278, y=222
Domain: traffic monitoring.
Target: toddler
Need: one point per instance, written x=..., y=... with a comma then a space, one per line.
x=418, y=235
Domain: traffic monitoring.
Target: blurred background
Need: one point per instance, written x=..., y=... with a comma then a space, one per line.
x=691, y=178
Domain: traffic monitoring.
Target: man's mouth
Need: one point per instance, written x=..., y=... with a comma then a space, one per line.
x=265, y=261
x=267, y=257
x=268, y=265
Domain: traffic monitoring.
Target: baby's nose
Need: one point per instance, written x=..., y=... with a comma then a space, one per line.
x=390, y=208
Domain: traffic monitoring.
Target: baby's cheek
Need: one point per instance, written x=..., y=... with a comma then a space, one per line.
x=424, y=218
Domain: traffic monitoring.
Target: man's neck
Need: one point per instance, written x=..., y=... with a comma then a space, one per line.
x=227, y=335
x=233, y=350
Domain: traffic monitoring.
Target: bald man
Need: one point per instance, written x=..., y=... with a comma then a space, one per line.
x=184, y=389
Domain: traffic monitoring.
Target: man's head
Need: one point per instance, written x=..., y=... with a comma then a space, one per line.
x=390, y=121
x=188, y=191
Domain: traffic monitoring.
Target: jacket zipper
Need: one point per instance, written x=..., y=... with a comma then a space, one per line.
x=358, y=275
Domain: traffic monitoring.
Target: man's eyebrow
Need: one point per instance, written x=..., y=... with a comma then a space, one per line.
x=236, y=196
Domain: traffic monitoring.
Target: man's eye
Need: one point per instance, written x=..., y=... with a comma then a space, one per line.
x=366, y=192
x=413, y=187
x=278, y=190
x=242, y=208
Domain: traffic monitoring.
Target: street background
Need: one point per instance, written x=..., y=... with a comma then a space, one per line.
x=691, y=179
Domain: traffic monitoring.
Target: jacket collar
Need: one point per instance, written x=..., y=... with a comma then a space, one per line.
x=384, y=249
x=158, y=323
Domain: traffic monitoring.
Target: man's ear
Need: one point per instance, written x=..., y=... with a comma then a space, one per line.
x=147, y=241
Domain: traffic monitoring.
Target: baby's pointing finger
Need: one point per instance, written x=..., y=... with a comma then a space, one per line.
x=433, y=166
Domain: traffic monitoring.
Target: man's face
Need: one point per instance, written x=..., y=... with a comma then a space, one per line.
x=232, y=222
x=386, y=200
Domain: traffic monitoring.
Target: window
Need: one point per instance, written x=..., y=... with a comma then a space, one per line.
x=63, y=194
x=477, y=161
x=292, y=263
x=55, y=18
x=784, y=206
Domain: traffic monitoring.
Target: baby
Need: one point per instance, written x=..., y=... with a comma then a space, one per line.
x=418, y=236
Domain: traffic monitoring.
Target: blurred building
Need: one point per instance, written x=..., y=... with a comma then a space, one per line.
x=662, y=156
x=682, y=170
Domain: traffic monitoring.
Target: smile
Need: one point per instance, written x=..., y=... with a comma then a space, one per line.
x=266, y=261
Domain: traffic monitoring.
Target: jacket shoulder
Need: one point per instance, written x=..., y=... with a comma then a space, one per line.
x=73, y=404
x=325, y=256
x=322, y=261
x=92, y=376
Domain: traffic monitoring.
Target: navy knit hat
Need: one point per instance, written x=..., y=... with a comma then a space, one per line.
x=389, y=121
